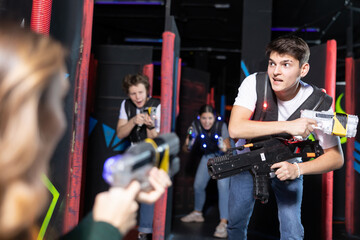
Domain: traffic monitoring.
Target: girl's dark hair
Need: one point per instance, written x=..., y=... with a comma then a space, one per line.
x=206, y=108
x=135, y=79
x=291, y=45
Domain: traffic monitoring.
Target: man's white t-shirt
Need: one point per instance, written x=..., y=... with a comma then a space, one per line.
x=247, y=98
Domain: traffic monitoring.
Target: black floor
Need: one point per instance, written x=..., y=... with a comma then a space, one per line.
x=205, y=230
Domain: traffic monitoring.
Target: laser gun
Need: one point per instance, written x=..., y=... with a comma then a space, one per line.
x=137, y=161
x=192, y=136
x=151, y=111
x=263, y=154
x=339, y=124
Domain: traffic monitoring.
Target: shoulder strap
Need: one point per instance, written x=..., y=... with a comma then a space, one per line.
x=152, y=102
x=265, y=95
x=130, y=108
x=317, y=101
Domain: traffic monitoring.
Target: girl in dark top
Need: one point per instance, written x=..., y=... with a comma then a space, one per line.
x=209, y=136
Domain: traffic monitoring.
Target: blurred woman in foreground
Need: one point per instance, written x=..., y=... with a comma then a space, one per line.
x=32, y=121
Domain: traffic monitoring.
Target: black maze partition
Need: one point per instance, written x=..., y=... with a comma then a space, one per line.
x=254, y=39
x=19, y=10
x=69, y=34
x=193, y=94
x=357, y=153
x=114, y=63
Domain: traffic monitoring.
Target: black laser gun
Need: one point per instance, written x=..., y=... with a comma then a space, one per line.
x=137, y=161
x=263, y=154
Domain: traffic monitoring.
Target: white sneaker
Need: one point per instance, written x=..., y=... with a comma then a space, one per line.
x=221, y=230
x=193, y=217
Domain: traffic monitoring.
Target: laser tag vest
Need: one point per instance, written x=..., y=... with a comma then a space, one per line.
x=206, y=141
x=317, y=101
x=138, y=133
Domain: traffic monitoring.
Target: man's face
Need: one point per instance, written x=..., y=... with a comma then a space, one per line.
x=284, y=73
x=138, y=95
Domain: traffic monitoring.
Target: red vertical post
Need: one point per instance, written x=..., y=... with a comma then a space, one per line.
x=148, y=70
x=167, y=68
x=71, y=217
x=349, y=161
x=327, y=178
x=40, y=16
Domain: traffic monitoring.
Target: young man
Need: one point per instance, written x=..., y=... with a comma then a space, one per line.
x=285, y=94
x=136, y=123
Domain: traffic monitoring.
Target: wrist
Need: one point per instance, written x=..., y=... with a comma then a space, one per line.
x=298, y=169
x=150, y=127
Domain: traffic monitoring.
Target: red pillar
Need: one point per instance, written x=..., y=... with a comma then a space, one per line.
x=148, y=70
x=167, y=67
x=40, y=16
x=72, y=211
x=349, y=161
x=327, y=178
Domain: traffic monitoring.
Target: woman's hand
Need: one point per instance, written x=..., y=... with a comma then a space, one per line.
x=117, y=207
x=159, y=180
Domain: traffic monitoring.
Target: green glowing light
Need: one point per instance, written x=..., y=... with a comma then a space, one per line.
x=50, y=211
x=339, y=109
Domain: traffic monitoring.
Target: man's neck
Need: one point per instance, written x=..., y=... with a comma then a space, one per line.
x=290, y=93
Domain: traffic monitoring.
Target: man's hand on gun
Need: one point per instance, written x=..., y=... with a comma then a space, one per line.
x=301, y=127
x=139, y=119
x=285, y=171
x=144, y=118
x=149, y=122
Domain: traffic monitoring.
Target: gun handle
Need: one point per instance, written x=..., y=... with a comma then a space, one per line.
x=261, y=188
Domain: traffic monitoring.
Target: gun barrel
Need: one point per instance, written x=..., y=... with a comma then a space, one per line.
x=339, y=124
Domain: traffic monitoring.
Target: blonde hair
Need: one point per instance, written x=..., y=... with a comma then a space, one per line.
x=29, y=63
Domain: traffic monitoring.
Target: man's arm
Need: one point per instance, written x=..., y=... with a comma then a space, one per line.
x=124, y=127
x=332, y=159
x=240, y=125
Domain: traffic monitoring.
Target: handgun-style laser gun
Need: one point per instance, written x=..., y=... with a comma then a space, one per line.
x=339, y=124
x=151, y=111
x=137, y=161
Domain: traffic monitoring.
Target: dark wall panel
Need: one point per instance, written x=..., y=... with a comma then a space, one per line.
x=114, y=63
x=256, y=33
x=193, y=93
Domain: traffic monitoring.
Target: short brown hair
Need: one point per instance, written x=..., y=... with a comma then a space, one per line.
x=291, y=45
x=135, y=79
